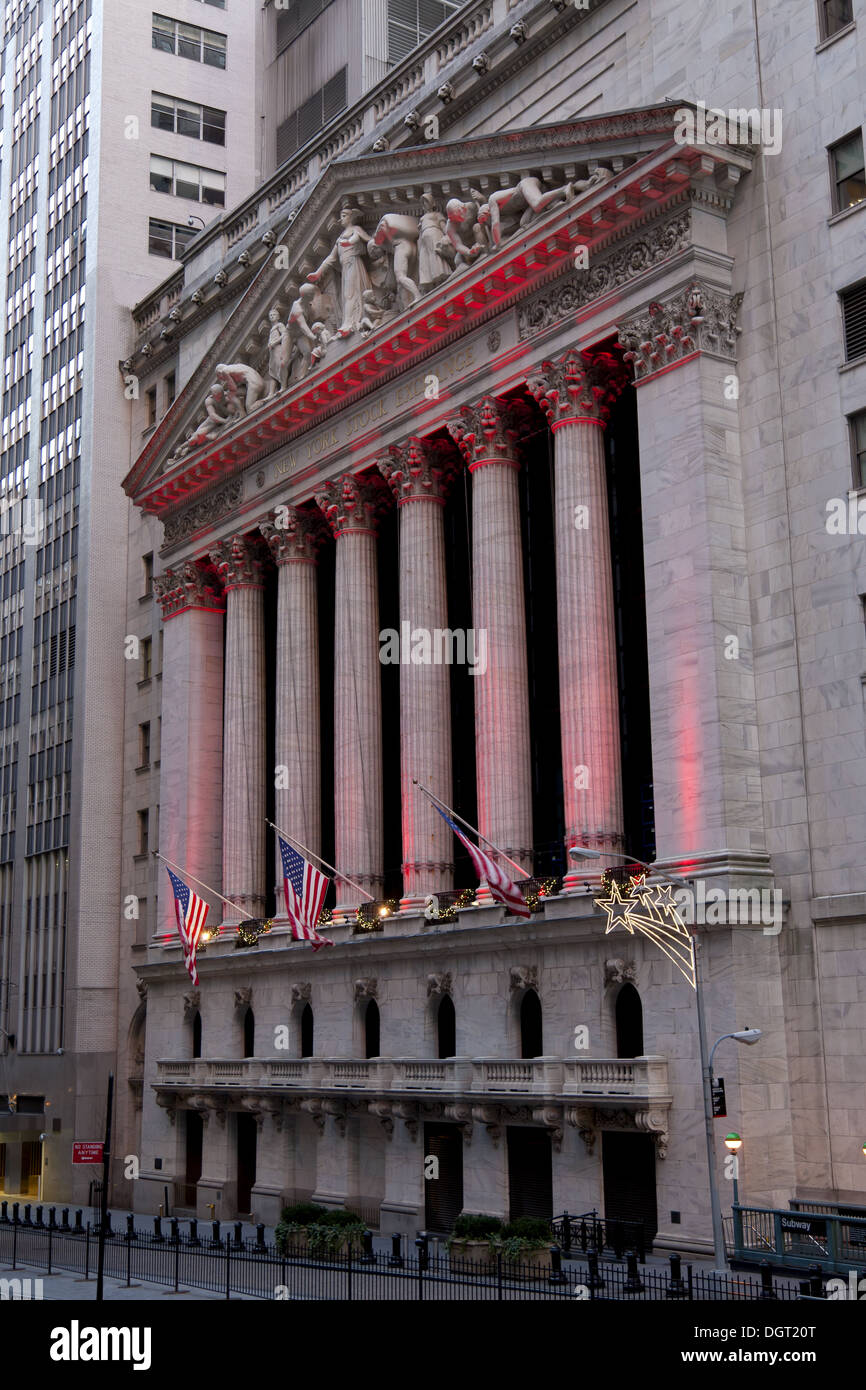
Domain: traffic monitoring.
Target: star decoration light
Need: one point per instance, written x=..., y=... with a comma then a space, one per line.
x=652, y=911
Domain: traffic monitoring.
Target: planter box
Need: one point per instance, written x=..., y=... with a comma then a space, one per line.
x=464, y=1255
x=530, y=1259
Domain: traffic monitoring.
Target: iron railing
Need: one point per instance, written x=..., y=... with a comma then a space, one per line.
x=589, y=1231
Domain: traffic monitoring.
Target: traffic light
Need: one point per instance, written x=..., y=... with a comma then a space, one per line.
x=720, y=1109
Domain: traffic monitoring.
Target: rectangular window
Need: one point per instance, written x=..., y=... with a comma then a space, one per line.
x=858, y=436
x=144, y=745
x=187, y=181
x=150, y=406
x=170, y=390
x=835, y=15
x=167, y=238
x=187, y=118
x=143, y=831
x=147, y=567
x=854, y=321
x=146, y=658
x=849, y=177
x=410, y=21
x=189, y=41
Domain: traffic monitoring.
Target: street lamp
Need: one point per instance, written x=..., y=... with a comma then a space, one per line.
x=745, y=1035
x=733, y=1144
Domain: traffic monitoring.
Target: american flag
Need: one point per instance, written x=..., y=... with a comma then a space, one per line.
x=191, y=912
x=500, y=885
x=305, y=892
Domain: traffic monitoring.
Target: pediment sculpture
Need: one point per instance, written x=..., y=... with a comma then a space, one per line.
x=366, y=279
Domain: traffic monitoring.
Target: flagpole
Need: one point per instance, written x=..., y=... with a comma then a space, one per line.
x=324, y=863
x=519, y=867
x=206, y=886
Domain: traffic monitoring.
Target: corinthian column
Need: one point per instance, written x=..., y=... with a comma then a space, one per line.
x=486, y=441
x=239, y=563
x=419, y=474
x=576, y=393
x=349, y=505
x=294, y=538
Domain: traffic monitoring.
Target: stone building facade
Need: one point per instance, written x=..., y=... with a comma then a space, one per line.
x=547, y=370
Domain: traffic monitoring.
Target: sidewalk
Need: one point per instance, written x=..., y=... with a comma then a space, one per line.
x=71, y=1288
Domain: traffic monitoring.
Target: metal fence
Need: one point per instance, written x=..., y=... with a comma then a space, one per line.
x=798, y=1239
x=222, y=1262
x=589, y=1231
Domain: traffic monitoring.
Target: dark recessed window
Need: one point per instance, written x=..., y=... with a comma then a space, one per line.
x=168, y=238
x=306, y=1031
x=858, y=434
x=835, y=15
x=854, y=321
x=849, y=178
x=531, y=1038
x=371, y=1030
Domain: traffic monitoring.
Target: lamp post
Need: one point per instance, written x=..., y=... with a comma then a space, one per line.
x=746, y=1035
x=733, y=1144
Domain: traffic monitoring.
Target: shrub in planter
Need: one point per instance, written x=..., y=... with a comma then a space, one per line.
x=303, y=1213
x=529, y=1245
x=529, y=1228
x=332, y=1238
x=470, y=1241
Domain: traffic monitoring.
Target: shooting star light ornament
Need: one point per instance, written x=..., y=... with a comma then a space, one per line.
x=650, y=909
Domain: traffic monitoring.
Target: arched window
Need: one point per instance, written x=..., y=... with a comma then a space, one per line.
x=446, y=1024
x=306, y=1031
x=249, y=1034
x=371, y=1030
x=531, y=1044
x=629, y=1023
x=196, y=1036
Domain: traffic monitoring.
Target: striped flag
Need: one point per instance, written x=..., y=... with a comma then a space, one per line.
x=191, y=912
x=305, y=892
x=500, y=885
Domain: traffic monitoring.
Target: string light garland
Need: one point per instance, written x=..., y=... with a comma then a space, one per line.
x=250, y=931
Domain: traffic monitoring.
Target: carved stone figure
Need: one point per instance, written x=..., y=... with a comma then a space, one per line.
x=347, y=259
x=323, y=336
x=303, y=339
x=461, y=219
x=279, y=353
x=243, y=387
x=432, y=266
x=528, y=199
x=399, y=233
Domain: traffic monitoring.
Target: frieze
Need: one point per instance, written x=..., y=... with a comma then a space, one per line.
x=204, y=512
x=655, y=244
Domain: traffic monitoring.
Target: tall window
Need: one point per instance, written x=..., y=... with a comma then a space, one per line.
x=446, y=1025
x=189, y=41
x=306, y=1031
x=143, y=831
x=410, y=21
x=835, y=14
x=249, y=1034
x=187, y=181
x=144, y=745
x=196, y=1036
x=629, y=1023
x=531, y=1040
x=849, y=178
x=858, y=435
x=371, y=1030
x=206, y=123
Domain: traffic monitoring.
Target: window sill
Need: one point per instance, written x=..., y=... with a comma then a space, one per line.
x=142, y=767
x=845, y=213
x=145, y=684
x=832, y=38
x=140, y=858
x=146, y=598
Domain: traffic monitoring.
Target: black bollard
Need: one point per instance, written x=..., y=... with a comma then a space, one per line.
x=64, y=1220
x=616, y=1238
x=4, y=1213
x=27, y=1218
x=15, y=1213
x=193, y=1233
x=108, y=1230
x=395, y=1259
x=158, y=1237
x=423, y=1250
x=368, y=1258
x=767, y=1290
x=260, y=1236
x=52, y=1218
x=39, y=1221
x=633, y=1283
x=79, y=1229
x=239, y=1233
x=676, y=1287
x=566, y=1233
x=130, y=1227
x=175, y=1231
x=594, y=1280
x=556, y=1275
x=816, y=1282
x=215, y=1234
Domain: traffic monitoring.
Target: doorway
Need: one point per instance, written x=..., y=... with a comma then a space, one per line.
x=530, y=1173
x=247, y=1135
x=194, y=1148
x=443, y=1191
x=629, y=1172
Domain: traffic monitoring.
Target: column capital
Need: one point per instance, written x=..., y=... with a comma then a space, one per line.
x=488, y=431
x=294, y=537
x=699, y=318
x=239, y=562
x=580, y=387
x=350, y=503
x=190, y=585
x=418, y=469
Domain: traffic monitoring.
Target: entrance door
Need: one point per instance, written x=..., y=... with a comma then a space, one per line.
x=247, y=1133
x=629, y=1170
x=2, y=1167
x=31, y=1163
x=530, y=1173
x=443, y=1195
x=194, y=1144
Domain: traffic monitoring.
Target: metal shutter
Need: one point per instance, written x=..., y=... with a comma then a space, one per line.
x=530, y=1173
x=854, y=317
x=629, y=1169
x=443, y=1196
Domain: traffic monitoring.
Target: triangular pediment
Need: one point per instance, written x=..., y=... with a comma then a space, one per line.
x=391, y=250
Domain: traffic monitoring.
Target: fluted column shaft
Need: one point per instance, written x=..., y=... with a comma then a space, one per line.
x=350, y=508
x=418, y=475
x=499, y=619
x=577, y=393
x=294, y=538
x=244, y=790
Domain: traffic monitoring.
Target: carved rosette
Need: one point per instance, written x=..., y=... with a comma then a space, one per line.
x=698, y=319
x=239, y=563
x=581, y=386
x=350, y=504
x=189, y=586
x=294, y=537
x=418, y=469
x=488, y=432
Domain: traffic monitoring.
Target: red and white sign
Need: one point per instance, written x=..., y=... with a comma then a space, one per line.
x=87, y=1153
